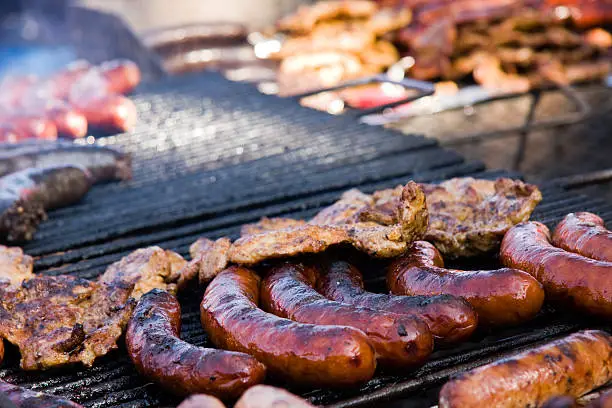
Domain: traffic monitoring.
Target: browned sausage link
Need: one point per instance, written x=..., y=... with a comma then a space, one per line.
x=569, y=279
x=32, y=127
x=111, y=114
x=603, y=401
x=500, y=297
x=306, y=354
x=68, y=121
x=571, y=366
x=122, y=76
x=399, y=341
x=159, y=354
x=450, y=318
x=585, y=234
x=25, y=398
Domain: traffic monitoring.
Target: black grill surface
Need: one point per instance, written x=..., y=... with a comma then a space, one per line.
x=211, y=155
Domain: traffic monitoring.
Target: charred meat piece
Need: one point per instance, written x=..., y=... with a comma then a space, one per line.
x=400, y=341
x=159, y=354
x=26, y=194
x=24, y=398
x=573, y=366
x=585, y=234
x=208, y=258
x=15, y=266
x=501, y=297
x=268, y=224
x=304, y=354
x=450, y=318
x=468, y=217
x=103, y=163
x=59, y=320
x=146, y=269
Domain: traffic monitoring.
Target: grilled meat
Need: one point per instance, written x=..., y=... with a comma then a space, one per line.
x=469, y=217
x=59, y=320
x=307, y=17
x=15, y=266
x=19, y=397
x=269, y=224
x=146, y=269
x=26, y=194
x=585, y=234
x=501, y=297
x=201, y=401
x=572, y=365
x=159, y=354
x=208, y=258
x=264, y=396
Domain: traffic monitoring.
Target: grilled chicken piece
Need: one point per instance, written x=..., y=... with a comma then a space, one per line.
x=208, y=258
x=146, y=269
x=306, y=17
x=15, y=266
x=59, y=320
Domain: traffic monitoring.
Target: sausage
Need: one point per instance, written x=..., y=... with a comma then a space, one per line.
x=68, y=121
x=585, y=234
x=264, y=396
x=9, y=134
x=111, y=113
x=449, y=318
x=305, y=354
x=571, y=366
x=569, y=279
x=399, y=341
x=122, y=76
x=201, y=401
x=26, y=194
x=159, y=354
x=32, y=127
x=500, y=297
x=24, y=398
x=560, y=401
x=103, y=163
x=58, y=85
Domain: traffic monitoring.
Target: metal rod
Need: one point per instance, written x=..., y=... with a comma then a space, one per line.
x=524, y=135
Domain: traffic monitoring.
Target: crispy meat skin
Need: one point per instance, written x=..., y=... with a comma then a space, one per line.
x=400, y=341
x=569, y=279
x=146, y=269
x=15, y=266
x=500, y=297
x=82, y=319
x=154, y=346
x=450, y=318
x=305, y=354
x=468, y=217
x=25, y=398
x=585, y=234
x=268, y=224
x=208, y=258
x=572, y=365
x=264, y=396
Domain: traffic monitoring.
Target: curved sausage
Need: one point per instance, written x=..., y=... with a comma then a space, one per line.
x=449, y=318
x=122, y=76
x=399, y=341
x=159, y=354
x=264, y=396
x=103, y=163
x=571, y=366
x=306, y=354
x=570, y=279
x=68, y=121
x=585, y=234
x=500, y=297
x=26, y=194
x=111, y=113
x=25, y=398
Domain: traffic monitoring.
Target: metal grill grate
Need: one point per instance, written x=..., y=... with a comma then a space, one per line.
x=304, y=160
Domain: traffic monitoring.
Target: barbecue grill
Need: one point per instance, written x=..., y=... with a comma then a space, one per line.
x=210, y=155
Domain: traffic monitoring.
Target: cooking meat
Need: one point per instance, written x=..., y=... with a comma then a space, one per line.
x=306, y=17
x=264, y=396
x=146, y=269
x=270, y=224
x=305, y=354
x=469, y=217
x=585, y=234
x=201, y=401
x=159, y=354
x=569, y=279
x=400, y=341
x=26, y=194
x=500, y=297
x=109, y=113
x=59, y=320
x=15, y=266
x=20, y=397
x=449, y=318
x=31, y=126
x=122, y=76
x=572, y=365
x=208, y=258
x=103, y=163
